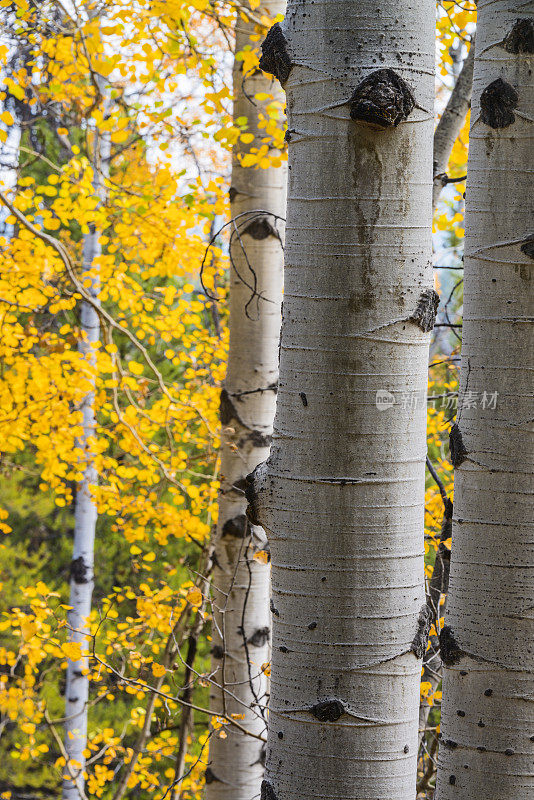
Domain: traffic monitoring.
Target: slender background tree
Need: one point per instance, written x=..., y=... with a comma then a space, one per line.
x=486, y=743
x=241, y=577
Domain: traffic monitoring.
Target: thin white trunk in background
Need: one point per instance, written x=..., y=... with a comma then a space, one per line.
x=447, y=131
x=85, y=517
x=342, y=494
x=241, y=584
x=451, y=123
x=487, y=730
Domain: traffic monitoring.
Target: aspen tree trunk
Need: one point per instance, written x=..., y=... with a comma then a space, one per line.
x=241, y=584
x=85, y=517
x=341, y=496
x=486, y=749
x=447, y=131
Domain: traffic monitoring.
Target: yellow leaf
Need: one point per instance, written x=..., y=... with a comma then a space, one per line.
x=72, y=650
x=7, y=118
x=194, y=596
x=135, y=367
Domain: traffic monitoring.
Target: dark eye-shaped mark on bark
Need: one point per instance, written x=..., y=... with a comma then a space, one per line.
x=260, y=228
x=497, y=103
x=79, y=570
x=237, y=527
x=274, y=56
x=259, y=637
x=456, y=446
x=328, y=710
x=382, y=100
x=521, y=37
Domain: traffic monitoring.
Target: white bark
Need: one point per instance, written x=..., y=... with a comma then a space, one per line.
x=486, y=749
x=85, y=518
x=341, y=496
x=451, y=123
x=241, y=585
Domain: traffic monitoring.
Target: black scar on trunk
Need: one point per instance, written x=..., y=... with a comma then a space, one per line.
x=457, y=447
x=497, y=103
x=274, y=56
x=328, y=710
x=237, y=527
x=450, y=650
x=425, y=314
x=382, y=100
x=259, y=637
x=420, y=639
x=528, y=246
x=521, y=37
x=79, y=570
x=267, y=791
x=253, y=509
x=260, y=228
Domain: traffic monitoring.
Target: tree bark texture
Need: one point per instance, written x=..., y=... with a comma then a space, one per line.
x=241, y=584
x=342, y=494
x=486, y=749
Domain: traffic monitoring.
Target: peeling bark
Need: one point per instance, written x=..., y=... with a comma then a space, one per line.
x=486, y=644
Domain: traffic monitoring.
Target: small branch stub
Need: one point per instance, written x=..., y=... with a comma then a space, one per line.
x=275, y=59
x=521, y=37
x=497, y=103
x=382, y=100
x=456, y=446
x=425, y=314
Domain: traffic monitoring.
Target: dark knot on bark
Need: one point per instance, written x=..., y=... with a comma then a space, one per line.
x=328, y=710
x=274, y=56
x=238, y=527
x=260, y=228
x=420, y=639
x=267, y=791
x=521, y=38
x=425, y=314
x=456, y=445
x=79, y=570
x=382, y=100
x=497, y=103
x=259, y=637
x=528, y=246
x=253, y=507
x=450, y=650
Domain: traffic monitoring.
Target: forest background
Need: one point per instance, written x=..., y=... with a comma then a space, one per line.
x=152, y=79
